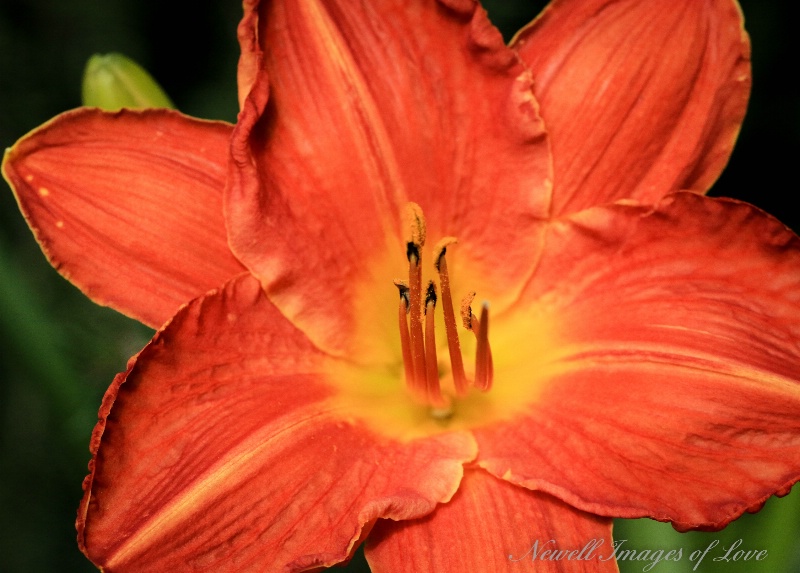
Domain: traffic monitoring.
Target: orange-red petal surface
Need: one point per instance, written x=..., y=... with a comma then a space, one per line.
x=672, y=390
x=639, y=99
x=128, y=205
x=220, y=450
x=491, y=525
x=371, y=105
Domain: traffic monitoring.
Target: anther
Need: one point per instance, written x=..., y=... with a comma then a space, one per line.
x=412, y=253
x=453, y=345
x=430, y=296
x=466, y=310
x=402, y=287
x=414, y=221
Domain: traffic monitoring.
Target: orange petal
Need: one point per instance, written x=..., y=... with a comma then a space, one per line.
x=491, y=525
x=639, y=100
x=128, y=205
x=220, y=450
x=673, y=391
x=371, y=105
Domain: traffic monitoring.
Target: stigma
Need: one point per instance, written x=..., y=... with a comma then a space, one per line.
x=416, y=312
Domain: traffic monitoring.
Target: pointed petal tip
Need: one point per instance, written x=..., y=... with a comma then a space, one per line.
x=719, y=326
x=120, y=199
x=667, y=123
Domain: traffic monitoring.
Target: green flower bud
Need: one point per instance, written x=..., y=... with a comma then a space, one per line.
x=114, y=81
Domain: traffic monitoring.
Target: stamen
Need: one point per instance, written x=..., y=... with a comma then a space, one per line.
x=432, y=364
x=405, y=341
x=484, y=366
x=415, y=316
x=415, y=240
x=419, y=346
x=453, y=345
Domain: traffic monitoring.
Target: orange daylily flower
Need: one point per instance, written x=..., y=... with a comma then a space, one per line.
x=638, y=355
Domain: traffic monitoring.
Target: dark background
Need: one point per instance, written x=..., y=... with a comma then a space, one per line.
x=59, y=351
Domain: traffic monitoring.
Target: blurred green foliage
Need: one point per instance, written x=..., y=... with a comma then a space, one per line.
x=60, y=351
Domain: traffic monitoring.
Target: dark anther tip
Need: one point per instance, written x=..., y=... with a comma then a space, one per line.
x=412, y=250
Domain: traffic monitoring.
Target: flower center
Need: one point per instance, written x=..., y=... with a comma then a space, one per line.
x=418, y=342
